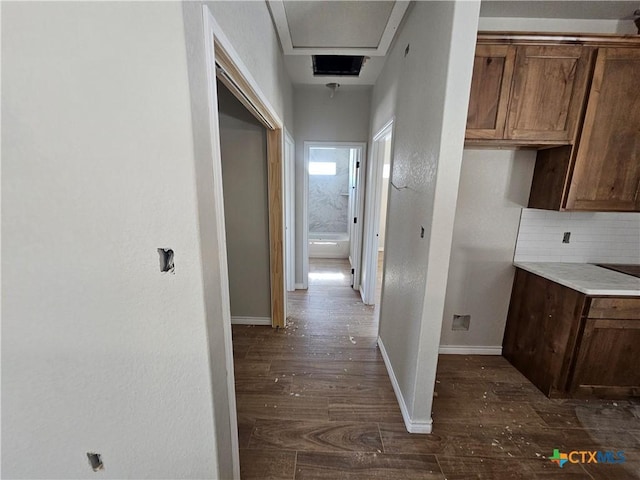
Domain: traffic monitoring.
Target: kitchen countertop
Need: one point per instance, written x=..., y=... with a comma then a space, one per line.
x=585, y=278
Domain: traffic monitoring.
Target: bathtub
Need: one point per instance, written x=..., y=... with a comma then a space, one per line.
x=328, y=245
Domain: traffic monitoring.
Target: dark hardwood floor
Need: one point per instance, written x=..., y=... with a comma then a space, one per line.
x=314, y=401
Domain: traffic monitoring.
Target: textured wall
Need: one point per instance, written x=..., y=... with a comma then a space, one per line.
x=430, y=85
x=494, y=186
x=100, y=351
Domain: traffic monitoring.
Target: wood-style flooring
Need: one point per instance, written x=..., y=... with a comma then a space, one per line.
x=314, y=401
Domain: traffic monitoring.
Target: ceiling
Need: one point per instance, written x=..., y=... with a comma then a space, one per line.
x=307, y=28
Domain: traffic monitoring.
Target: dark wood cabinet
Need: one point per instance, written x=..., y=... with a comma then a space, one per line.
x=527, y=95
x=549, y=86
x=570, y=344
x=606, y=175
x=601, y=172
x=490, y=86
x=608, y=352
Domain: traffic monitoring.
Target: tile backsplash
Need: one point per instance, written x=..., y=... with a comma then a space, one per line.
x=595, y=237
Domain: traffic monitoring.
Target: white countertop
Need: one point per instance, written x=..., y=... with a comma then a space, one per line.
x=585, y=278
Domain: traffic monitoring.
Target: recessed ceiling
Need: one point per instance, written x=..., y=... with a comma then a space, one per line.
x=578, y=9
x=337, y=24
x=359, y=28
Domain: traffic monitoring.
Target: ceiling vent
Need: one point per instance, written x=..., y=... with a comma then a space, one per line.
x=337, y=65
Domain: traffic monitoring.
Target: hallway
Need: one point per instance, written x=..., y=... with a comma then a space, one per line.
x=315, y=401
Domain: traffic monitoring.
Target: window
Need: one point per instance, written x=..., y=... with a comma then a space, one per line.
x=322, y=168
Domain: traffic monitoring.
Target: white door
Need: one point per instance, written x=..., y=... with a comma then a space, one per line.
x=355, y=216
x=289, y=213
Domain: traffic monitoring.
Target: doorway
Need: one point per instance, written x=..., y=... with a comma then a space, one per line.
x=378, y=181
x=332, y=202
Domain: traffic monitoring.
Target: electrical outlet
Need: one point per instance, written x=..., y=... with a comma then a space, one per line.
x=566, y=237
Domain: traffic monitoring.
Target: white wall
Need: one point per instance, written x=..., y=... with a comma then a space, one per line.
x=101, y=352
x=243, y=145
x=430, y=86
x=343, y=118
x=494, y=185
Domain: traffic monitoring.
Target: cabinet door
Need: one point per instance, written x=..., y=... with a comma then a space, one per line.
x=608, y=358
x=548, y=92
x=490, y=85
x=606, y=175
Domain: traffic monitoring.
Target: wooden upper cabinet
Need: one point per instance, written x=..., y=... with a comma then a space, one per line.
x=548, y=92
x=606, y=174
x=490, y=86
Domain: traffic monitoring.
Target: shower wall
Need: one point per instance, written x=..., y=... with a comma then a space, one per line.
x=329, y=194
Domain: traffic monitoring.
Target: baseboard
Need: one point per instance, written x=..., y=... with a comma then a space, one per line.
x=251, y=320
x=299, y=286
x=410, y=425
x=469, y=350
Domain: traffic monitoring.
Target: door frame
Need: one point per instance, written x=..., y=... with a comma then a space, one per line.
x=223, y=62
x=232, y=72
x=359, y=199
x=372, y=213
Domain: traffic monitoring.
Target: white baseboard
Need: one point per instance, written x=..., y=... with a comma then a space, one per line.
x=299, y=286
x=251, y=320
x=469, y=350
x=410, y=425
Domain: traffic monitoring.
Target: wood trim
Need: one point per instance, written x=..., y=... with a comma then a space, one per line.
x=276, y=226
x=230, y=73
x=537, y=38
x=243, y=90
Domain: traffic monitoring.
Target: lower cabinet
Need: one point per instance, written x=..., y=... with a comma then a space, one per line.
x=570, y=344
x=608, y=354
